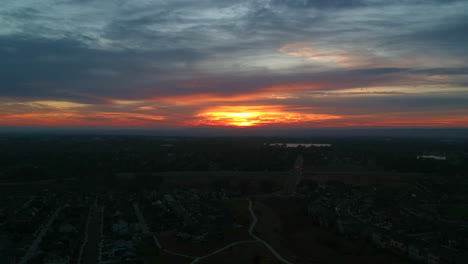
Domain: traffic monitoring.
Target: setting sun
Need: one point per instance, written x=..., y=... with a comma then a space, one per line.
x=247, y=116
x=245, y=64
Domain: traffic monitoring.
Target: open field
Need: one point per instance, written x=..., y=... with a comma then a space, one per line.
x=170, y=259
x=243, y=253
x=270, y=228
x=292, y=233
x=364, y=177
x=152, y=255
x=202, y=248
x=455, y=212
x=238, y=208
x=207, y=177
x=10, y=206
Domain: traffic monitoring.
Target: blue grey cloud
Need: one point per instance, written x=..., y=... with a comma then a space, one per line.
x=90, y=51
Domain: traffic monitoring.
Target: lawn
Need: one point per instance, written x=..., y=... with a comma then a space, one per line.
x=455, y=212
x=302, y=242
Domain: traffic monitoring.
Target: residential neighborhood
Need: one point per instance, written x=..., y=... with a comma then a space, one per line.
x=332, y=204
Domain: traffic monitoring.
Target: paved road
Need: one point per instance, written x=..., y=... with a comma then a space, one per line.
x=24, y=205
x=144, y=225
x=101, y=234
x=294, y=177
x=221, y=249
x=348, y=210
x=33, y=248
x=85, y=239
x=91, y=250
x=256, y=240
x=178, y=254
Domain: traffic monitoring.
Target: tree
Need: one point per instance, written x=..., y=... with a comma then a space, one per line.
x=268, y=186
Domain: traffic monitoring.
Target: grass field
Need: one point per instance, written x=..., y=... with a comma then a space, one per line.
x=231, y=234
x=239, y=209
x=9, y=207
x=399, y=181
x=302, y=242
x=234, y=179
x=249, y=253
x=455, y=212
x=152, y=255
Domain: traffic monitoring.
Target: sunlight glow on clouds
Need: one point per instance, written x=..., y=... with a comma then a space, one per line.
x=307, y=50
x=80, y=119
x=233, y=63
x=335, y=57
x=246, y=116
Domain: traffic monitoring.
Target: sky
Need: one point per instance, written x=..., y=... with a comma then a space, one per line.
x=221, y=63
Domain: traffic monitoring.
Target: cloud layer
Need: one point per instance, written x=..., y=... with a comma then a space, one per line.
x=170, y=63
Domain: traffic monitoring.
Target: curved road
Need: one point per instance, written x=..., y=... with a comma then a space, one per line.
x=144, y=226
x=257, y=239
x=252, y=226
x=221, y=249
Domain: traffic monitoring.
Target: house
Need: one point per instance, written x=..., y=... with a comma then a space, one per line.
x=416, y=251
x=5, y=240
x=398, y=244
x=432, y=257
x=380, y=239
x=56, y=258
x=324, y=216
x=134, y=227
x=121, y=227
x=122, y=247
x=125, y=176
x=348, y=225
x=451, y=255
x=67, y=228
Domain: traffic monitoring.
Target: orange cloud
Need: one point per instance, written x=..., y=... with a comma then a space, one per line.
x=79, y=119
x=276, y=91
x=401, y=120
x=201, y=98
x=356, y=58
x=237, y=116
x=248, y=116
x=310, y=51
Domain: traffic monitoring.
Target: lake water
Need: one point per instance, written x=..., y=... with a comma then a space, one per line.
x=434, y=157
x=295, y=145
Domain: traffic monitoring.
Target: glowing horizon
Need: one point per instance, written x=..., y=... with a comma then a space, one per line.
x=249, y=116
x=241, y=64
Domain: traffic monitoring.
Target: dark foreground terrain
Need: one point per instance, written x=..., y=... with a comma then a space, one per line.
x=145, y=199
